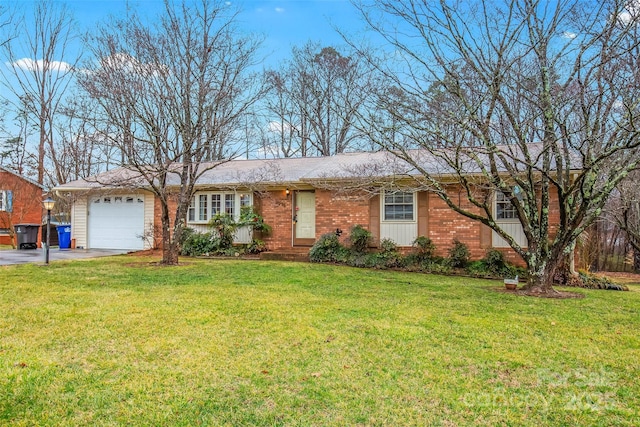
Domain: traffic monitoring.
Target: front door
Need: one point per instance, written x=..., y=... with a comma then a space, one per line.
x=305, y=215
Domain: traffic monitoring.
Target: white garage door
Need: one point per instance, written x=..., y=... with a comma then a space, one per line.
x=116, y=222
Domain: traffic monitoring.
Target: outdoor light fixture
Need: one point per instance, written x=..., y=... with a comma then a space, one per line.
x=287, y=192
x=48, y=203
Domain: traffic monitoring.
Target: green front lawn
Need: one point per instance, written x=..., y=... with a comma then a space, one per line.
x=117, y=341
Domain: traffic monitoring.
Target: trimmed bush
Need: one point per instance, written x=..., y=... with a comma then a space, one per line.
x=328, y=249
x=423, y=248
x=197, y=244
x=389, y=256
x=494, y=262
x=359, y=239
x=459, y=254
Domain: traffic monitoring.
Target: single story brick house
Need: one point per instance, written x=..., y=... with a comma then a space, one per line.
x=20, y=203
x=300, y=198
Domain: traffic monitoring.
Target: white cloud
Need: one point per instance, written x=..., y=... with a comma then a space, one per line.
x=279, y=9
x=31, y=65
x=631, y=13
x=278, y=127
x=569, y=35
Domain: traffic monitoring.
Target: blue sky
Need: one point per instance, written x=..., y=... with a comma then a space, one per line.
x=284, y=23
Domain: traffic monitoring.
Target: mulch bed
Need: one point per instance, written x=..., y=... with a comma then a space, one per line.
x=557, y=295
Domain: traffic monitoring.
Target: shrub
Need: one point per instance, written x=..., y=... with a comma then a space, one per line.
x=186, y=233
x=369, y=260
x=359, y=239
x=389, y=256
x=328, y=249
x=459, y=254
x=436, y=266
x=387, y=246
x=423, y=248
x=255, y=247
x=197, y=244
x=479, y=269
x=494, y=262
x=223, y=228
x=248, y=217
x=591, y=281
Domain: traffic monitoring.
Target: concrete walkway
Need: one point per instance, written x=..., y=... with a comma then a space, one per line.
x=11, y=256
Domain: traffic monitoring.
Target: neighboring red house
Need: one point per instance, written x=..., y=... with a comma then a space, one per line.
x=300, y=198
x=20, y=203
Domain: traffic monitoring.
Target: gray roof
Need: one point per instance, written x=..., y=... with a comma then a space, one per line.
x=310, y=170
x=265, y=171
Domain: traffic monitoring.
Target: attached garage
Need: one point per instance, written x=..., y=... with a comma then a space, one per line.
x=116, y=222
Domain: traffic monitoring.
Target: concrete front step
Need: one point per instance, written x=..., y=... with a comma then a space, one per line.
x=301, y=255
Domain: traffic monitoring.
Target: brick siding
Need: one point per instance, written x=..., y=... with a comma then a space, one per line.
x=338, y=211
x=27, y=204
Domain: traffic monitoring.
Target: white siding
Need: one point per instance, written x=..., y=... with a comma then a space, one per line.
x=149, y=220
x=79, y=222
x=244, y=235
x=200, y=228
x=403, y=233
x=514, y=229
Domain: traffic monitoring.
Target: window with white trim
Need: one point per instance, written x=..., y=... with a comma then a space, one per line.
x=229, y=204
x=205, y=205
x=506, y=217
x=3, y=200
x=505, y=210
x=202, y=207
x=398, y=206
x=246, y=200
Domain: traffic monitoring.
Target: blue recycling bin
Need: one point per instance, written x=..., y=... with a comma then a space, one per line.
x=64, y=236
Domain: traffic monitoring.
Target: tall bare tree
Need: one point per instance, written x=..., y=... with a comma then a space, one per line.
x=624, y=212
x=314, y=99
x=174, y=91
x=526, y=108
x=41, y=70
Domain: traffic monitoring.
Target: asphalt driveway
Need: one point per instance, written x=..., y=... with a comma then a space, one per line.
x=9, y=257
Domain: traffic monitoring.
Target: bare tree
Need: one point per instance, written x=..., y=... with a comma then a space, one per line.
x=623, y=211
x=528, y=110
x=37, y=74
x=174, y=92
x=314, y=99
x=6, y=21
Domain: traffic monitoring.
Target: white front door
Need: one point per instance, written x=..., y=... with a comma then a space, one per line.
x=305, y=228
x=116, y=222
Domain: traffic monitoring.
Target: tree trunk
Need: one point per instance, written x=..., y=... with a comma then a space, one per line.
x=541, y=274
x=170, y=253
x=169, y=245
x=636, y=260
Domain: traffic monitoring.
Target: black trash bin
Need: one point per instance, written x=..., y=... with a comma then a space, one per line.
x=27, y=235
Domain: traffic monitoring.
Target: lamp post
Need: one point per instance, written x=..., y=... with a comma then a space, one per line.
x=48, y=205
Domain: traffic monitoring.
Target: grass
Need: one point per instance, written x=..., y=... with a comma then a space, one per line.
x=117, y=341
